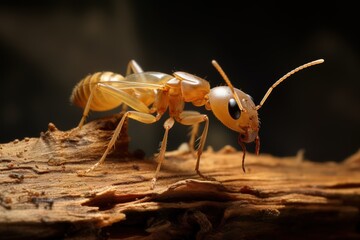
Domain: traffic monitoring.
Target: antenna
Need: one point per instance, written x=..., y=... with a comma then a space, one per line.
x=306, y=65
x=227, y=80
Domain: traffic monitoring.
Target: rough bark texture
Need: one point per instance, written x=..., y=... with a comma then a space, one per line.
x=41, y=195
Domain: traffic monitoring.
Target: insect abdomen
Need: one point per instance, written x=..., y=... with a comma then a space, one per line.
x=101, y=101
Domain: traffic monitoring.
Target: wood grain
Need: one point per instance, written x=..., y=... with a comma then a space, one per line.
x=42, y=196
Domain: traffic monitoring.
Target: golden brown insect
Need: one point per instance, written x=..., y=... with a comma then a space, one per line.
x=151, y=94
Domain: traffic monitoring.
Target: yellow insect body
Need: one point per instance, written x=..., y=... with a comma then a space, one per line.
x=151, y=94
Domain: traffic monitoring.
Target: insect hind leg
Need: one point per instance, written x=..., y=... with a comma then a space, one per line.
x=87, y=106
x=139, y=116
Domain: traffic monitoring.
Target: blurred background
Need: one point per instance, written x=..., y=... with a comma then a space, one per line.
x=46, y=48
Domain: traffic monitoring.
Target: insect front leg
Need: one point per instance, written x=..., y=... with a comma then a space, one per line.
x=138, y=116
x=192, y=118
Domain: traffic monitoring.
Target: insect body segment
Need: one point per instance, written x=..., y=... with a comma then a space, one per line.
x=151, y=94
x=87, y=88
x=225, y=108
x=245, y=122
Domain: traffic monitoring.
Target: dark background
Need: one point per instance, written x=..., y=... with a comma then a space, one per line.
x=45, y=49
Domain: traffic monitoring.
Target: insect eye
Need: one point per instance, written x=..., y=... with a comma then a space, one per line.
x=234, y=109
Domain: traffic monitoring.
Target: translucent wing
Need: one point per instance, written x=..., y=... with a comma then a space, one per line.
x=125, y=97
x=131, y=85
x=149, y=77
x=136, y=90
x=144, y=80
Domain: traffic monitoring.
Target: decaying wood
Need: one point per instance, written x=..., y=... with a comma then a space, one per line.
x=41, y=196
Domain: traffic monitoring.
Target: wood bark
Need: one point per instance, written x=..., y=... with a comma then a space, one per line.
x=42, y=196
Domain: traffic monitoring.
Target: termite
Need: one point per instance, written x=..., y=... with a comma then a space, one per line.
x=151, y=94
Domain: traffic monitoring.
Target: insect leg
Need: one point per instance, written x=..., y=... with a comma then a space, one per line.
x=142, y=115
x=194, y=129
x=196, y=118
x=87, y=106
x=169, y=123
x=133, y=67
x=139, y=116
x=193, y=134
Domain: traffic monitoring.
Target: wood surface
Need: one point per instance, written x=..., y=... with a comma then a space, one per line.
x=42, y=196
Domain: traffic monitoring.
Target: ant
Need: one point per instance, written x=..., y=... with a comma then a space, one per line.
x=151, y=94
